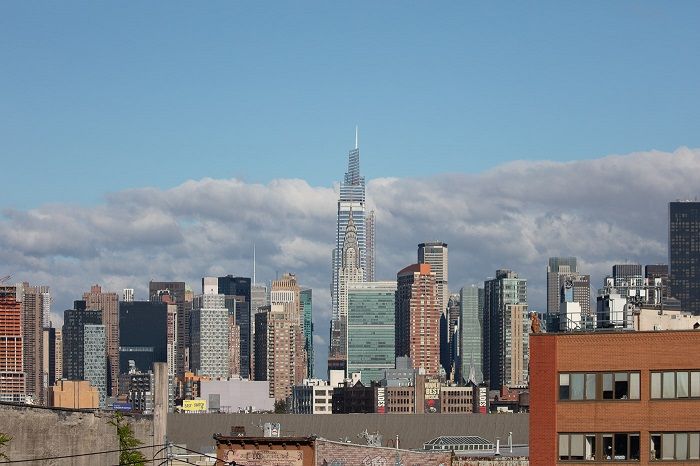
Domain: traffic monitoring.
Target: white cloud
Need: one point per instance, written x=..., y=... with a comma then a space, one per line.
x=517, y=215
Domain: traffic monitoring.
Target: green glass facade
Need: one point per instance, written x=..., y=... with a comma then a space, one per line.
x=307, y=313
x=371, y=329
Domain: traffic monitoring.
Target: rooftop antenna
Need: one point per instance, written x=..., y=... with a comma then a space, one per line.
x=254, y=282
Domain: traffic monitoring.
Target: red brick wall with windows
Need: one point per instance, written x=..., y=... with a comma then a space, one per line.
x=600, y=352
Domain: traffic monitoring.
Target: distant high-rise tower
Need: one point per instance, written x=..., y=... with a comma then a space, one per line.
x=371, y=246
x=435, y=254
x=95, y=359
x=351, y=200
x=286, y=292
x=128, y=295
x=306, y=296
x=506, y=343
x=684, y=254
x=175, y=293
x=471, y=333
x=108, y=304
x=241, y=288
x=371, y=329
x=34, y=306
x=210, y=336
x=12, y=382
x=566, y=284
x=417, y=317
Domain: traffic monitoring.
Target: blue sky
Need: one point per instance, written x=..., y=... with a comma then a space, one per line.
x=96, y=97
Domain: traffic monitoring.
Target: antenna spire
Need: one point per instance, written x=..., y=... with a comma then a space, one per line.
x=357, y=137
x=254, y=282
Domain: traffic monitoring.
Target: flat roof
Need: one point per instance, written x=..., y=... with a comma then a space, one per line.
x=613, y=332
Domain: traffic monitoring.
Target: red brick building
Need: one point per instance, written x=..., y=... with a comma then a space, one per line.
x=12, y=381
x=418, y=317
x=600, y=397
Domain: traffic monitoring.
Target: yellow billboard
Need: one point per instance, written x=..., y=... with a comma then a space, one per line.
x=194, y=405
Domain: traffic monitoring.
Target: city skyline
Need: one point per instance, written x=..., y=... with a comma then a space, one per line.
x=71, y=248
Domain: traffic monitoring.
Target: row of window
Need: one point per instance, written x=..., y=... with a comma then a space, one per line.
x=675, y=384
x=599, y=386
x=625, y=446
x=626, y=385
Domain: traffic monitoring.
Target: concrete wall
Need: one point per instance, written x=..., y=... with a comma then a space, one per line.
x=197, y=430
x=46, y=432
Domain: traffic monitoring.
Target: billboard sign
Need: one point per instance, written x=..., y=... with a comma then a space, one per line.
x=122, y=406
x=381, y=400
x=194, y=406
x=432, y=396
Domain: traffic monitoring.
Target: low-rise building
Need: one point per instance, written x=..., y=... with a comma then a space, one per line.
x=74, y=394
x=237, y=396
x=314, y=396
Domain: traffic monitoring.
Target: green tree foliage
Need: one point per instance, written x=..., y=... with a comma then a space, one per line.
x=280, y=407
x=4, y=440
x=127, y=442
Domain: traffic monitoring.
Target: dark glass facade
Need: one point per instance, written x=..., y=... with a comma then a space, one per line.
x=240, y=288
x=74, y=321
x=143, y=334
x=684, y=254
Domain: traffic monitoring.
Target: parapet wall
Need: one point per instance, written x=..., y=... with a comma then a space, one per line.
x=39, y=432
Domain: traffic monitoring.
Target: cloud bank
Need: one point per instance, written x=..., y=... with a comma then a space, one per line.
x=604, y=211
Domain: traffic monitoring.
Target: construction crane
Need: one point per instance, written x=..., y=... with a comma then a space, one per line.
x=5, y=279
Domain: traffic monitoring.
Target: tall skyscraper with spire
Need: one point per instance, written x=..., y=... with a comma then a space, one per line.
x=351, y=204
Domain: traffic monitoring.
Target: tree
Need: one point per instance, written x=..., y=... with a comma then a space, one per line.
x=280, y=407
x=4, y=440
x=127, y=442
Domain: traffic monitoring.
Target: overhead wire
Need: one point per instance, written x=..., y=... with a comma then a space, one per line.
x=77, y=455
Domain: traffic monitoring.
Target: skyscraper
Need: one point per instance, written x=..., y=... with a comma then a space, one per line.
x=74, y=322
x=286, y=292
x=435, y=254
x=241, y=288
x=35, y=302
x=371, y=329
x=350, y=272
x=505, y=330
x=684, y=254
x=108, y=304
x=306, y=296
x=351, y=200
x=566, y=284
x=12, y=382
x=371, y=246
x=471, y=333
x=143, y=336
x=281, y=334
x=95, y=358
x=417, y=318
x=49, y=368
x=175, y=293
x=210, y=336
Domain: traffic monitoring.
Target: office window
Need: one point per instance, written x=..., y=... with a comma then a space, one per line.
x=675, y=446
x=576, y=447
x=678, y=384
x=599, y=386
x=613, y=447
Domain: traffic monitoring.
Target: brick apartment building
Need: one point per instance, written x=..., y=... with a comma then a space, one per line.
x=598, y=397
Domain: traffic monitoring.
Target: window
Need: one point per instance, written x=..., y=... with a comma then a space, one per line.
x=599, y=386
x=674, y=385
x=614, y=447
x=675, y=446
